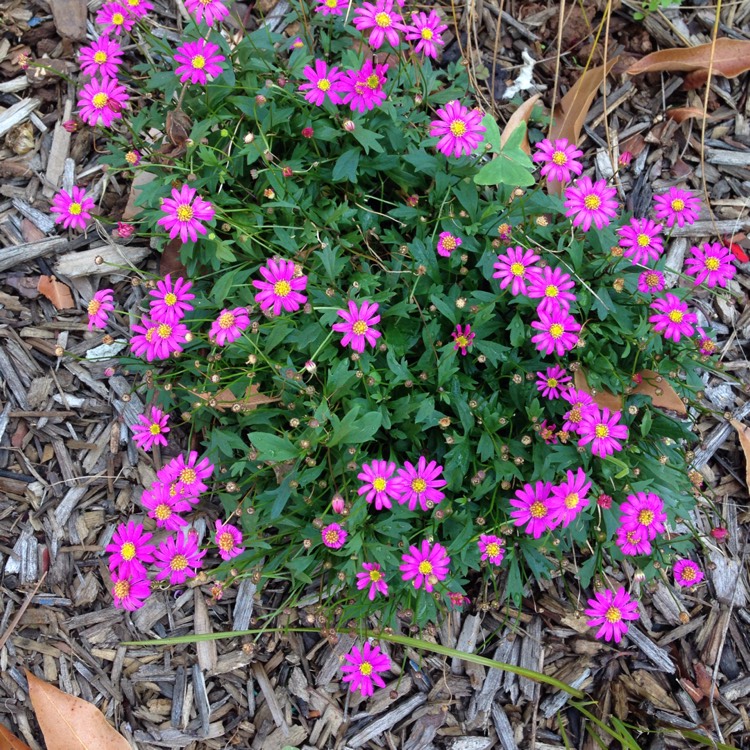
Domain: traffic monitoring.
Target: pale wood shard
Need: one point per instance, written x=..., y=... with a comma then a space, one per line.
x=268, y=693
x=482, y=702
x=658, y=656
x=84, y=262
x=70, y=18
x=333, y=662
x=531, y=653
x=243, y=605
x=58, y=152
x=15, y=255
x=503, y=728
x=16, y=114
x=467, y=641
x=726, y=577
x=385, y=722
x=206, y=650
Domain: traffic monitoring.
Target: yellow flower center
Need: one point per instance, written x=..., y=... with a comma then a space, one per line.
x=170, y=299
x=360, y=327
x=93, y=307
x=379, y=484
x=556, y=330
x=688, y=573
x=185, y=212
x=601, y=431
x=282, y=289
x=226, y=541
x=128, y=551
x=134, y=3
x=163, y=511
x=492, y=549
x=373, y=82
x=198, y=62
x=678, y=204
x=652, y=279
x=675, y=316
x=188, y=476
x=518, y=269
x=332, y=3
x=462, y=342
x=458, y=128
x=592, y=202
x=643, y=240
x=375, y=575
x=574, y=415
x=365, y=668
x=226, y=320
x=538, y=509
x=419, y=485
x=324, y=84
x=425, y=568
x=552, y=382
x=632, y=537
x=427, y=34
x=131, y=157
x=646, y=517
x=149, y=335
x=712, y=263
x=179, y=562
x=571, y=500
x=332, y=536
x=164, y=331
x=122, y=589
x=449, y=243
x=383, y=20
x=118, y=19
x=559, y=158
x=551, y=291
x=100, y=57
x=154, y=428
x=100, y=100
x=75, y=209
x=613, y=615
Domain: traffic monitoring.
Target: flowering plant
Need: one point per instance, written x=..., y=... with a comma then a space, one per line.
x=407, y=375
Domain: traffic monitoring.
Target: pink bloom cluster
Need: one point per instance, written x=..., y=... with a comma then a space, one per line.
x=361, y=89
x=642, y=520
x=416, y=485
x=609, y=612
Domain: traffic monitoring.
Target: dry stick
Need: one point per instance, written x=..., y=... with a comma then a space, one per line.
x=496, y=47
x=608, y=15
x=557, y=63
x=17, y=617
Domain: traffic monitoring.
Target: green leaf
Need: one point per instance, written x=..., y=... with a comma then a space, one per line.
x=346, y=166
x=517, y=331
x=512, y=166
x=492, y=134
x=369, y=139
x=351, y=429
x=272, y=447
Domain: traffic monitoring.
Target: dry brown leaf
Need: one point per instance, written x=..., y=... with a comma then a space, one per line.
x=668, y=399
x=604, y=398
x=522, y=114
x=56, y=292
x=9, y=741
x=225, y=399
x=69, y=723
x=141, y=179
x=743, y=432
x=680, y=114
x=170, y=262
x=731, y=58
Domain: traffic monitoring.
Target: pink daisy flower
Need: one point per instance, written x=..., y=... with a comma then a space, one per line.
x=179, y=558
x=533, y=508
x=331, y=7
x=171, y=302
x=373, y=578
x=459, y=129
x=99, y=308
x=358, y=326
x=559, y=159
x=641, y=241
x=322, y=82
x=447, y=243
x=609, y=612
x=210, y=11
x=644, y=512
x=602, y=429
x=677, y=206
x=72, y=208
x=558, y=331
x=590, y=203
x=142, y=340
x=672, y=318
x=130, y=592
x=381, y=18
x=516, y=268
x=189, y=475
x=228, y=327
x=198, y=60
x=139, y=8
x=363, y=668
x=228, y=539
x=420, y=484
x=463, y=337
x=457, y=599
x=687, y=573
x=297, y=43
x=379, y=486
x=553, y=382
x=650, y=282
x=632, y=542
x=492, y=548
x=133, y=157
x=130, y=551
x=706, y=345
x=548, y=432
x=333, y=536
x=161, y=339
x=711, y=263
x=552, y=286
x=425, y=565
x=115, y=18
x=425, y=30
x=185, y=211
x=103, y=58
x=164, y=505
x=580, y=403
x=363, y=88
x=282, y=289
x=569, y=498
x=151, y=430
